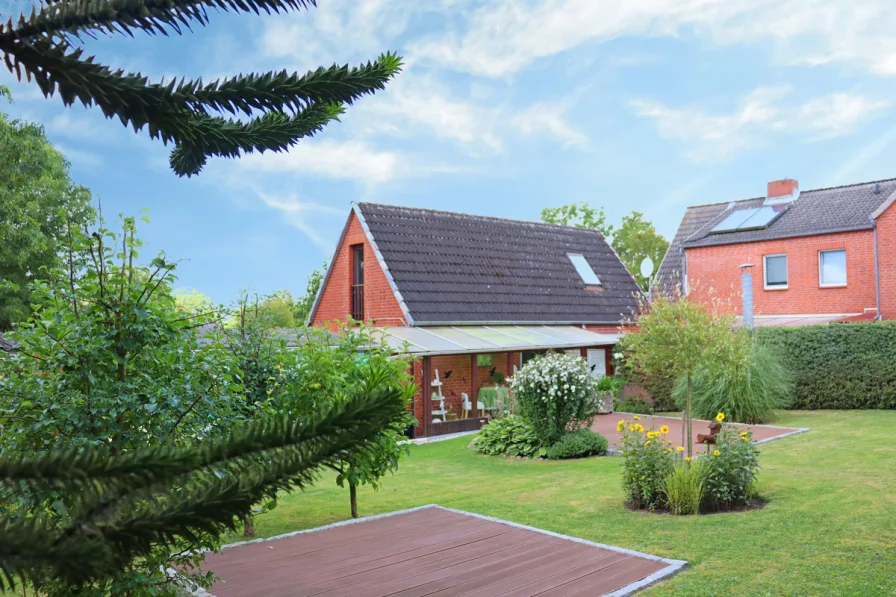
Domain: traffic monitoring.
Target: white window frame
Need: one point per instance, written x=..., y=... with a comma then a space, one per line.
x=821, y=283
x=765, y=284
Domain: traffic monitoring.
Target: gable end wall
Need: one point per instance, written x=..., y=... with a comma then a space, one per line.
x=380, y=305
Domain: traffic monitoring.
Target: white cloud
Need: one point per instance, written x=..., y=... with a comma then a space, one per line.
x=550, y=118
x=714, y=137
x=837, y=114
x=298, y=214
x=505, y=36
x=354, y=160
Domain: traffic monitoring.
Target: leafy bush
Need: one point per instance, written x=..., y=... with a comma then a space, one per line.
x=841, y=366
x=647, y=458
x=578, y=444
x=750, y=394
x=556, y=394
x=632, y=398
x=684, y=487
x=511, y=436
x=729, y=471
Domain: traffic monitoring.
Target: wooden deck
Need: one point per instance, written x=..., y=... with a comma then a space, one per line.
x=435, y=552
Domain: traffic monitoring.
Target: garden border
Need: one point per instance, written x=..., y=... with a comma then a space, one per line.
x=672, y=566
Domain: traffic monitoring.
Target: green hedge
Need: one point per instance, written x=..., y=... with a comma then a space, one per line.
x=839, y=366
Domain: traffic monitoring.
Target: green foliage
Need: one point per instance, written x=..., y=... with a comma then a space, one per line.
x=281, y=108
x=327, y=369
x=729, y=470
x=750, y=394
x=107, y=358
x=684, y=487
x=841, y=366
x=578, y=444
x=38, y=201
x=130, y=505
x=192, y=302
x=676, y=337
x=511, y=435
x=580, y=215
x=636, y=240
x=304, y=303
x=556, y=394
x=647, y=459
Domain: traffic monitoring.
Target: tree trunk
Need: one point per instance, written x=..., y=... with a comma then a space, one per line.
x=689, y=437
x=353, y=496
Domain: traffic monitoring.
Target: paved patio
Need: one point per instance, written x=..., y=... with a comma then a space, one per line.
x=432, y=551
x=606, y=425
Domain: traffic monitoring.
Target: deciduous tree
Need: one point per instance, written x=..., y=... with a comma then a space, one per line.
x=38, y=201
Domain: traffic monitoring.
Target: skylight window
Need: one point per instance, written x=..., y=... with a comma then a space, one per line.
x=756, y=218
x=584, y=269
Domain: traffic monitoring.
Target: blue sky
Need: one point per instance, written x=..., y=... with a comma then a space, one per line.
x=505, y=107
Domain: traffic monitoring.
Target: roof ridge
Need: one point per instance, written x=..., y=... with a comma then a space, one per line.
x=842, y=186
x=480, y=217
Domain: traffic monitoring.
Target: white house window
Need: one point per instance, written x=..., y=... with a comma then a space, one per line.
x=775, y=271
x=832, y=268
x=584, y=268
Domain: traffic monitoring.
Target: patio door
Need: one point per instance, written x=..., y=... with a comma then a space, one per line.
x=597, y=361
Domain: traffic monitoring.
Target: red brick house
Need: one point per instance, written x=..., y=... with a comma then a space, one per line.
x=817, y=256
x=474, y=297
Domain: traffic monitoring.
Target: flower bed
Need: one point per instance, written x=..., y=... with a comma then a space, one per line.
x=657, y=476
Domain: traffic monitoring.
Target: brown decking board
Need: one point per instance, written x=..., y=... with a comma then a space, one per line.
x=429, y=552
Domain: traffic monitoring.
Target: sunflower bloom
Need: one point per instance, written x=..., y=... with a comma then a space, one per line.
x=637, y=418
x=664, y=429
x=680, y=448
x=716, y=453
x=687, y=458
x=720, y=417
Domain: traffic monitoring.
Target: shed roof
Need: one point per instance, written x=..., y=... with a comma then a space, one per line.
x=452, y=268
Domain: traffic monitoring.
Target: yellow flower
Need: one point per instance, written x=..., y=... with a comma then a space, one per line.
x=637, y=418
x=687, y=458
x=720, y=417
x=716, y=453
x=680, y=448
x=639, y=427
x=631, y=428
x=664, y=429
x=620, y=426
x=647, y=443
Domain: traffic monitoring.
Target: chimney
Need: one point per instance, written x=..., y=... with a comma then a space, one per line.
x=782, y=191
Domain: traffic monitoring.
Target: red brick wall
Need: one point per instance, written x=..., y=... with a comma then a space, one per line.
x=886, y=243
x=380, y=305
x=715, y=270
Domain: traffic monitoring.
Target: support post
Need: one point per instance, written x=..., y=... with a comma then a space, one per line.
x=474, y=386
x=608, y=355
x=427, y=396
x=509, y=364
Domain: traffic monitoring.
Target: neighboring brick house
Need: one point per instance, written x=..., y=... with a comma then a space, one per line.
x=474, y=296
x=817, y=256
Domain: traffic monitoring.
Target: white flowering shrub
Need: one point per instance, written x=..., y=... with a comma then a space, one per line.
x=556, y=394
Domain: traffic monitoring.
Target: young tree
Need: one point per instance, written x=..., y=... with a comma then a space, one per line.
x=279, y=108
x=676, y=336
x=304, y=303
x=330, y=367
x=132, y=504
x=36, y=190
x=636, y=240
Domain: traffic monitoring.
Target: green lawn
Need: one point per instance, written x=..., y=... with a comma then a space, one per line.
x=829, y=527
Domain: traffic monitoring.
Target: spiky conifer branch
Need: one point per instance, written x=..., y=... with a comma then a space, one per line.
x=216, y=484
x=293, y=106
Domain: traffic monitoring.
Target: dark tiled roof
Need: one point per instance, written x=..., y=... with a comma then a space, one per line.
x=817, y=211
x=455, y=268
